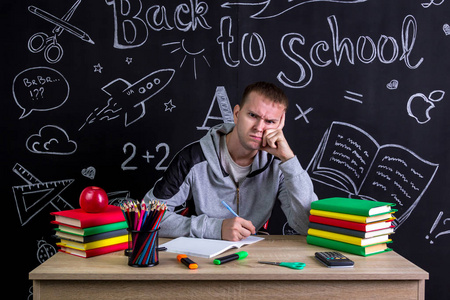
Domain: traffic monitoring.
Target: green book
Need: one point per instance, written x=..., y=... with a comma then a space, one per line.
x=89, y=238
x=91, y=230
x=350, y=206
x=344, y=247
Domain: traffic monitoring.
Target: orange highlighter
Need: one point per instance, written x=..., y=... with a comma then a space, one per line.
x=187, y=261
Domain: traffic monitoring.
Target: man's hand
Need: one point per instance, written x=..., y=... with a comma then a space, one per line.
x=275, y=143
x=236, y=229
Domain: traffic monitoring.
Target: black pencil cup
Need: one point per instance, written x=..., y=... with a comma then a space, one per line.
x=142, y=248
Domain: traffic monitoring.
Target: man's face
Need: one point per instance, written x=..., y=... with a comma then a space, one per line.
x=257, y=115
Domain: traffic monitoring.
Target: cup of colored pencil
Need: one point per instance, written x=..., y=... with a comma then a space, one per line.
x=143, y=225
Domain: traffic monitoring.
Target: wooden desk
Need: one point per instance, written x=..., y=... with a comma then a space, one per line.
x=383, y=276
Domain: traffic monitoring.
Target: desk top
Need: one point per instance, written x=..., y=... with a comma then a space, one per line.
x=290, y=248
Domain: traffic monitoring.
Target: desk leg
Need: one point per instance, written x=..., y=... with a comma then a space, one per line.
x=421, y=289
x=36, y=290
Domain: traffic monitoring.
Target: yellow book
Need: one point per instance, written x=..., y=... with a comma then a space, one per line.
x=351, y=218
x=93, y=245
x=347, y=238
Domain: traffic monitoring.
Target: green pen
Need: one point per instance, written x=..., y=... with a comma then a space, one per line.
x=235, y=256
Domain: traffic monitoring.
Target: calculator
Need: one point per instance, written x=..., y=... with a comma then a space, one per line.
x=334, y=259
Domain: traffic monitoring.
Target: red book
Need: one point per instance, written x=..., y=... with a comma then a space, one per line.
x=80, y=218
x=94, y=252
x=352, y=225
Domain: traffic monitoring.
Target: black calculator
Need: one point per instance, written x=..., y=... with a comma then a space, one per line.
x=334, y=259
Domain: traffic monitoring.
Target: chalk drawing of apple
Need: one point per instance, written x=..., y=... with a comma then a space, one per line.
x=419, y=105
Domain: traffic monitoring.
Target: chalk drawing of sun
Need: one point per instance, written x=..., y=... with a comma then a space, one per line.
x=188, y=53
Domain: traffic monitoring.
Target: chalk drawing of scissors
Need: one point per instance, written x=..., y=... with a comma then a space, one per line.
x=41, y=41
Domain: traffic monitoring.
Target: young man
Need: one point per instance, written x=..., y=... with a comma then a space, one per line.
x=248, y=164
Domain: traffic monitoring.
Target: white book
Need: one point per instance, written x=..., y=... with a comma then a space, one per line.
x=205, y=247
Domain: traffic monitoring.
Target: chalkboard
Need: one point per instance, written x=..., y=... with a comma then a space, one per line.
x=105, y=93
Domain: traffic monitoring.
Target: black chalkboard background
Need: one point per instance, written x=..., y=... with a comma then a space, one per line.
x=352, y=68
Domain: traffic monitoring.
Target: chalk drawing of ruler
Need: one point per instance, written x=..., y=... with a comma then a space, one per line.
x=36, y=195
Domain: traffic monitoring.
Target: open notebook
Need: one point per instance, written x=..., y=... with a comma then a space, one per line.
x=205, y=247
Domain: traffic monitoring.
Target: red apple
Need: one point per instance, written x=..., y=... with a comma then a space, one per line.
x=93, y=199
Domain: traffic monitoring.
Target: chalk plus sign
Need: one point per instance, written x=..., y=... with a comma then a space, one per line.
x=147, y=156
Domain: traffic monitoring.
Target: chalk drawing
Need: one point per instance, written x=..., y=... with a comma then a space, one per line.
x=132, y=25
x=39, y=89
x=51, y=139
x=225, y=40
x=349, y=159
x=131, y=150
x=41, y=41
x=118, y=197
x=44, y=251
x=221, y=98
x=188, y=53
x=446, y=29
x=169, y=106
x=342, y=49
x=436, y=223
x=98, y=68
x=128, y=100
x=89, y=172
x=35, y=195
x=353, y=96
x=279, y=7
x=392, y=85
x=323, y=53
x=253, y=48
x=419, y=105
x=432, y=2
x=303, y=113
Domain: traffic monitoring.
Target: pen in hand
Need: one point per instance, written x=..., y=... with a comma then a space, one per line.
x=248, y=226
x=230, y=209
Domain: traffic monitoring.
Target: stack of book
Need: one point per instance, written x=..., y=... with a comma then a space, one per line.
x=90, y=234
x=361, y=227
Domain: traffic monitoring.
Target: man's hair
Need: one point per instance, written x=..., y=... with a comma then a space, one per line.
x=268, y=90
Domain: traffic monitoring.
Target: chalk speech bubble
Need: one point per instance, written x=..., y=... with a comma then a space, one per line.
x=39, y=89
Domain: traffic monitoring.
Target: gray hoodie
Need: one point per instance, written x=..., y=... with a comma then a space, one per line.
x=196, y=178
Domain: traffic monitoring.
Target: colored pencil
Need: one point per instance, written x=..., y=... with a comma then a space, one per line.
x=143, y=223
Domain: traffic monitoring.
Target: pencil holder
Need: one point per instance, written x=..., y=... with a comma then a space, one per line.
x=142, y=248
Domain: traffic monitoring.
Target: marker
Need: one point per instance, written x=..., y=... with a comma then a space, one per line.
x=187, y=261
x=229, y=208
x=235, y=256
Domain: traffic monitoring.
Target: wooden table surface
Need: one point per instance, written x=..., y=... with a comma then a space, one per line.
x=387, y=270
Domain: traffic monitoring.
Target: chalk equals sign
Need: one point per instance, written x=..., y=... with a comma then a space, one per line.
x=352, y=96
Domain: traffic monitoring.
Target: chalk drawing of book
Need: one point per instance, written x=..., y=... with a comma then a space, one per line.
x=349, y=159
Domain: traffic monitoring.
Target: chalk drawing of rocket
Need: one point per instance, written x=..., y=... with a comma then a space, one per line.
x=128, y=100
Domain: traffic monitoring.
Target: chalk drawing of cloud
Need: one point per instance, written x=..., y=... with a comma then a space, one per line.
x=51, y=139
